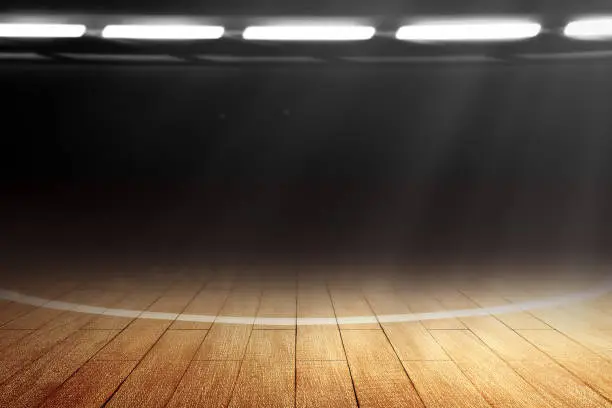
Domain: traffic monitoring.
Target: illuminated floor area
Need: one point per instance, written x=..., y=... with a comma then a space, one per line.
x=306, y=337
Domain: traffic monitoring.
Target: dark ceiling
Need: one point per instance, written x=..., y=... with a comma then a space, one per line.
x=314, y=7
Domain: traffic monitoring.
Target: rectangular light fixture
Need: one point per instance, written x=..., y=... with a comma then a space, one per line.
x=591, y=28
x=20, y=30
x=307, y=32
x=469, y=30
x=163, y=32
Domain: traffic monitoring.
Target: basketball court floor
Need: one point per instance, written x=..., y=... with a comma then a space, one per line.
x=296, y=336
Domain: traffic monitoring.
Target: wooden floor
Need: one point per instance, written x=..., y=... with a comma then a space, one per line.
x=552, y=357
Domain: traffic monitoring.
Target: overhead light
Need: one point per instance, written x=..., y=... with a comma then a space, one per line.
x=465, y=30
x=592, y=28
x=163, y=32
x=305, y=32
x=18, y=30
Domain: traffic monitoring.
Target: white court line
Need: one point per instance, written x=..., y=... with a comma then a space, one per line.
x=550, y=302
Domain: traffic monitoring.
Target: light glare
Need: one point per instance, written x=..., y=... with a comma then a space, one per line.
x=596, y=28
x=163, y=32
x=469, y=30
x=18, y=30
x=309, y=33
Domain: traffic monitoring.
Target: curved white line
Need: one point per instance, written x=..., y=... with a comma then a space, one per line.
x=281, y=321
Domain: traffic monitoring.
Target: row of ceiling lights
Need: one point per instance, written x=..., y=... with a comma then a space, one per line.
x=446, y=30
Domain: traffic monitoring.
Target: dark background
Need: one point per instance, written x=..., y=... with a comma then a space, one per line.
x=405, y=162
x=315, y=7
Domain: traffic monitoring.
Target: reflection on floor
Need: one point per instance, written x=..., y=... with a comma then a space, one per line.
x=125, y=336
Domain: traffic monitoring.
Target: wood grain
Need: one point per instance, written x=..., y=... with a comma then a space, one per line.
x=206, y=384
x=271, y=345
x=412, y=342
x=557, y=357
x=277, y=303
x=367, y=346
x=31, y=386
x=91, y=386
x=154, y=380
x=349, y=303
x=500, y=385
x=136, y=300
x=134, y=341
x=557, y=384
x=441, y=384
x=225, y=342
x=324, y=384
x=383, y=384
x=207, y=302
x=502, y=340
x=265, y=384
x=10, y=337
x=418, y=303
x=319, y=343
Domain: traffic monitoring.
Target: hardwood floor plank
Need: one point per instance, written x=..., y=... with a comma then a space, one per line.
x=271, y=345
x=241, y=303
x=173, y=301
x=452, y=299
x=34, y=319
x=500, y=385
x=558, y=346
x=42, y=340
x=324, y=384
x=559, y=387
x=9, y=367
x=463, y=345
x=140, y=299
x=35, y=382
x=588, y=366
x=207, y=302
x=277, y=304
x=319, y=343
x=385, y=302
x=367, y=346
x=503, y=340
x=595, y=340
x=379, y=378
x=225, y=342
x=206, y=384
x=134, y=341
x=595, y=373
x=10, y=311
x=350, y=303
x=418, y=303
x=382, y=384
x=38, y=317
x=595, y=318
x=412, y=342
x=558, y=319
x=516, y=320
x=91, y=386
x=441, y=384
x=265, y=384
x=154, y=380
x=315, y=303
x=10, y=337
